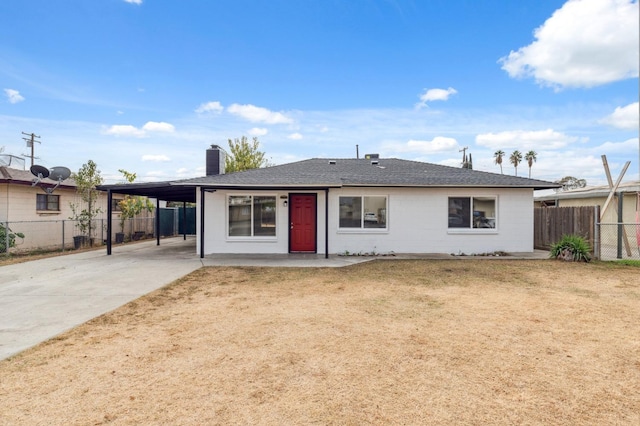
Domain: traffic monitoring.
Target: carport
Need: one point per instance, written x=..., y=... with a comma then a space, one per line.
x=162, y=191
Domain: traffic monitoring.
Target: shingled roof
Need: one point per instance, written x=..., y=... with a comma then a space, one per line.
x=24, y=177
x=335, y=173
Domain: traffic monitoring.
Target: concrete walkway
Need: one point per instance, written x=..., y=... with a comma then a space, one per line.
x=43, y=298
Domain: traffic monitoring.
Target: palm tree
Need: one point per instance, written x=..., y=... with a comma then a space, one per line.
x=498, y=158
x=531, y=158
x=516, y=158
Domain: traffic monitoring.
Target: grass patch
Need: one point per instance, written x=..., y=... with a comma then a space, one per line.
x=628, y=262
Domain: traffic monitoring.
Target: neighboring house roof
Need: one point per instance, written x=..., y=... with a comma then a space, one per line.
x=331, y=173
x=590, y=192
x=24, y=177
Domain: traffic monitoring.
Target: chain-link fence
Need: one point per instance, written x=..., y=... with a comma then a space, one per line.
x=619, y=241
x=60, y=235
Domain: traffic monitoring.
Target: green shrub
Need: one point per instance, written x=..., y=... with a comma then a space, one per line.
x=12, y=238
x=571, y=247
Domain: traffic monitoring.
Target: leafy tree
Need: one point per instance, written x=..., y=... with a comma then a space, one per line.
x=515, y=159
x=498, y=158
x=86, y=179
x=531, y=158
x=570, y=182
x=131, y=206
x=244, y=155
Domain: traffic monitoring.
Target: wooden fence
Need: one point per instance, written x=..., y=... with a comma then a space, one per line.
x=551, y=223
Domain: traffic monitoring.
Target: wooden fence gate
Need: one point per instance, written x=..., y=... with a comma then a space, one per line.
x=551, y=223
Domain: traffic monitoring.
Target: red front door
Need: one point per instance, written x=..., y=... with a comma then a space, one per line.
x=302, y=215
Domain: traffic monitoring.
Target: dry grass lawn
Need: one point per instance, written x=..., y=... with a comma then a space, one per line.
x=386, y=342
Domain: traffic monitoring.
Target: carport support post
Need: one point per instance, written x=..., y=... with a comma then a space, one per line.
x=109, y=214
x=157, y=221
x=201, y=222
x=326, y=223
x=184, y=220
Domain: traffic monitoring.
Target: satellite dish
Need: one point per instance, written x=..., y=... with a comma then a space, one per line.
x=59, y=173
x=40, y=172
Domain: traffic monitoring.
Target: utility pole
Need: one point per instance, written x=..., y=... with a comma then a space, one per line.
x=30, y=144
x=464, y=157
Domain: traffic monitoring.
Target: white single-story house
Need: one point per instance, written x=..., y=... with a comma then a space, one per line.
x=344, y=206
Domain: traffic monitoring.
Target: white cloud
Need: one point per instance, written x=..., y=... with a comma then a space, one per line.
x=624, y=117
x=435, y=95
x=295, y=136
x=585, y=43
x=13, y=96
x=438, y=144
x=160, y=157
x=155, y=126
x=625, y=148
x=258, y=114
x=258, y=131
x=525, y=140
x=129, y=130
x=124, y=130
x=214, y=107
x=133, y=1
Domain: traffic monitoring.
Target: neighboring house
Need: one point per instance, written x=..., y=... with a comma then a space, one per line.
x=597, y=196
x=350, y=206
x=42, y=217
x=21, y=201
x=28, y=208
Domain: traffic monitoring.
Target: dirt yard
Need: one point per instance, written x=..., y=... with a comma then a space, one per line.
x=386, y=342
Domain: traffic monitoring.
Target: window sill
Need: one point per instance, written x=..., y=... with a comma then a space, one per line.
x=48, y=212
x=474, y=231
x=252, y=239
x=363, y=230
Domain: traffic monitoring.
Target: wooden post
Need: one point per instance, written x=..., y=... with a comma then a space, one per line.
x=613, y=188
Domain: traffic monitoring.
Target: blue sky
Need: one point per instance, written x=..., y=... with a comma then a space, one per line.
x=149, y=85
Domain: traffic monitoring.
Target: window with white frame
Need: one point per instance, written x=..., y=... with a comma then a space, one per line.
x=48, y=202
x=472, y=212
x=363, y=212
x=252, y=216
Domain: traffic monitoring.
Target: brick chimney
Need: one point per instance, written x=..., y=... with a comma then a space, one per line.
x=215, y=160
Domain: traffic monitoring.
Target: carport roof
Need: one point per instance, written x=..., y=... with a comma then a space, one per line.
x=166, y=191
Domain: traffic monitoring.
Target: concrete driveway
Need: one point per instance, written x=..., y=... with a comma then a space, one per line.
x=43, y=298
